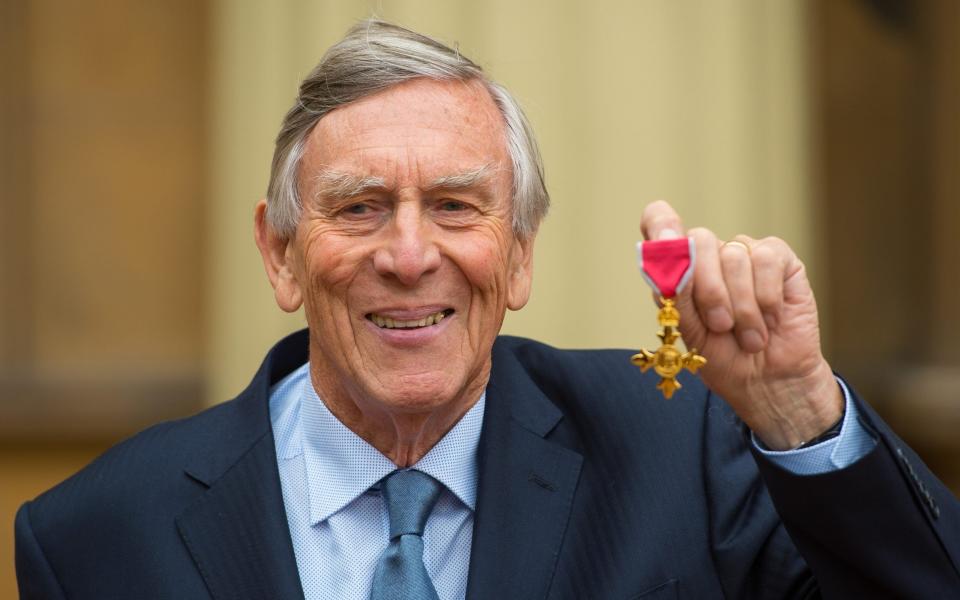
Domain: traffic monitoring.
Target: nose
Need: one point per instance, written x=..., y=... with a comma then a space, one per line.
x=409, y=252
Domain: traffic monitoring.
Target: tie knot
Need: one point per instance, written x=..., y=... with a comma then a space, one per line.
x=410, y=496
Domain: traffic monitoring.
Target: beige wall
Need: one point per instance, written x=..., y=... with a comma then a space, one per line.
x=101, y=213
x=699, y=102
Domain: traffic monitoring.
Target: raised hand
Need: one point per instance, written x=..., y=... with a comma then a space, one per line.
x=750, y=311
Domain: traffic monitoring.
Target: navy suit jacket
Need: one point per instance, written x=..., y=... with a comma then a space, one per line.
x=591, y=486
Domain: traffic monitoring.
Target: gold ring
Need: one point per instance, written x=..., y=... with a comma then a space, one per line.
x=737, y=243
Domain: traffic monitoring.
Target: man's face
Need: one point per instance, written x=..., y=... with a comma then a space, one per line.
x=404, y=256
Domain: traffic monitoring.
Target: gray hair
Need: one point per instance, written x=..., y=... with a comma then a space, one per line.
x=373, y=56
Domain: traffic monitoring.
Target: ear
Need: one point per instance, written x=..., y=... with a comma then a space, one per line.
x=520, y=277
x=273, y=249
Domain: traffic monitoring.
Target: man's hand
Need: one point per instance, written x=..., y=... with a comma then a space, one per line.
x=750, y=311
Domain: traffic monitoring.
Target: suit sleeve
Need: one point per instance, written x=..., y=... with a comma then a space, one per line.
x=35, y=576
x=752, y=550
x=884, y=526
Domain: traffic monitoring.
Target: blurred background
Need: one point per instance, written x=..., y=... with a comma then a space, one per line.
x=135, y=138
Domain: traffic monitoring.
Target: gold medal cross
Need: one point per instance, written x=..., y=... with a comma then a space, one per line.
x=667, y=361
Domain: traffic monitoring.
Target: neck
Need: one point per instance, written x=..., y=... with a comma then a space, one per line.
x=402, y=436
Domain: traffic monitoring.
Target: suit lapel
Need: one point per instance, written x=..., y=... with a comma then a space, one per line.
x=237, y=533
x=526, y=488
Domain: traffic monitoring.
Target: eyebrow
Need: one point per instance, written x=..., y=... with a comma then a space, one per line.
x=339, y=186
x=464, y=180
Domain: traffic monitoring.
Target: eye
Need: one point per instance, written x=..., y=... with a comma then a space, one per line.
x=452, y=206
x=360, y=208
x=454, y=212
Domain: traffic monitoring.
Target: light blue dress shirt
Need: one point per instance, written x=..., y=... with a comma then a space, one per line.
x=853, y=443
x=338, y=520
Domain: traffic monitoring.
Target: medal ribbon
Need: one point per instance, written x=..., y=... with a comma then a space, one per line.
x=666, y=264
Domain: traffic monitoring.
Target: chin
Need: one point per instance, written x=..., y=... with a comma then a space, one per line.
x=423, y=393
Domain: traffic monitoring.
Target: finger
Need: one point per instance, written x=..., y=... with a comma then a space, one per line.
x=660, y=221
x=770, y=259
x=709, y=289
x=749, y=327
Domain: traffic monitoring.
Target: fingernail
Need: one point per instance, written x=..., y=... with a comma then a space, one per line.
x=668, y=234
x=719, y=319
x=751, y=340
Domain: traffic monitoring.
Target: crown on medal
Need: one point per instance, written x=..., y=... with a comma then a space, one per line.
x=668, y=316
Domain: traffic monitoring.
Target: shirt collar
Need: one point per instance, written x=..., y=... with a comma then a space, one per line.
x=341, y=466
x=453, y=460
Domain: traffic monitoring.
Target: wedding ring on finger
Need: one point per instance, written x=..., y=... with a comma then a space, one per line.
x=737, y=243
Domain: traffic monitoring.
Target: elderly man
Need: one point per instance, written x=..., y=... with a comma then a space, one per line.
x=399, y=449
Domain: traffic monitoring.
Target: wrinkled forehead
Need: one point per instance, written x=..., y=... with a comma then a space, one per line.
x=416, y=131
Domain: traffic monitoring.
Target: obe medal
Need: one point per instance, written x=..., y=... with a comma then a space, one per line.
x=667, y=265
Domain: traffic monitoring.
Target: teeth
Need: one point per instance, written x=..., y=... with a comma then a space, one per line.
x=388, y=323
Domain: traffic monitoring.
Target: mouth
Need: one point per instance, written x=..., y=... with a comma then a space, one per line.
x=384, y=322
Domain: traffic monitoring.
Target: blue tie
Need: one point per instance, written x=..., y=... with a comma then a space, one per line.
x=400, y=575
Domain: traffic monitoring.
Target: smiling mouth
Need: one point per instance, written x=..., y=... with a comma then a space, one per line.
x=389, y=323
